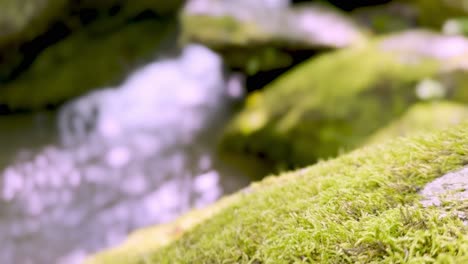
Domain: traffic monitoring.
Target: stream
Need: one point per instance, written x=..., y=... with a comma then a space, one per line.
x=80, y=179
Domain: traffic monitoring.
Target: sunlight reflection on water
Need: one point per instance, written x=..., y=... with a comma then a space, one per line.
x=130, y=156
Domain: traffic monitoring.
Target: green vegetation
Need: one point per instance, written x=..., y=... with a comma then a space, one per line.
x=16, y=18
x=244, y=45
x=392, y=17
x=99, y=38
x=359, y=208
x=422, y=118
x=434, y=13
x=329, y=103
x=400, y=98
x=260, y=43
x=22, y=20
x=218, y=31
x=84, y=61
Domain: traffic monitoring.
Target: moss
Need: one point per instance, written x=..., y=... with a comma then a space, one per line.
x=332, y=103
x=362, y=207
x=244, y=46
x=218, y=31
x=434, y=13
x=22, y=20
x=84, y=61
x=253, y=42
x=27, y=27
x=391, y=17
x=153, y=238
x=328, y=103
x=132, y=7
x=422, y=118
x=17, y=18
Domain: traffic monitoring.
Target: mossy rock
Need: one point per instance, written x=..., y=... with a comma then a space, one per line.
x=28, y=27
x=84, y=61
x=425, y=117
x=135, y=6
x=332, y=103
x=392, y=17
x=434, y=13
x=16, y=18
x=22, y=20
x=363, y=207
x=257, y=38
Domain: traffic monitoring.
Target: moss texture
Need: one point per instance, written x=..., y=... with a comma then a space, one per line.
x=332, y=103
x=422, y=118
x=362, y=207
x=84, y=61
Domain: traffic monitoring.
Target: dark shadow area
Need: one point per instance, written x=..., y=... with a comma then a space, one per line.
x=262, y=78
x=350, y=5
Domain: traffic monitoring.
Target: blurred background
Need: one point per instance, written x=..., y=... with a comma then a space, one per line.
x=115, y=114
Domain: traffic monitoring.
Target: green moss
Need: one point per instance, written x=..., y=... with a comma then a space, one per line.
x=84, y=61
x=244, y=45
x=422, y=118
x=218, y=31
x=392, y=17
x=328, y=104
x=22, y=20
x=434, y=13
x=362, y=207
x=258, y=43
x=135, y=6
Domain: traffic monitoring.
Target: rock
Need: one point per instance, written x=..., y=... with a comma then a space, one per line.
x=360, y=207
x=84, y=61
x=447, y=188
x=30, y=27
x=449, y=194
x=335, y=101
x=16, y=20
x=256, y=35
x=422, y=118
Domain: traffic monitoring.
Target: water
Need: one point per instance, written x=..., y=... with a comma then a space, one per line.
x=123, y=157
